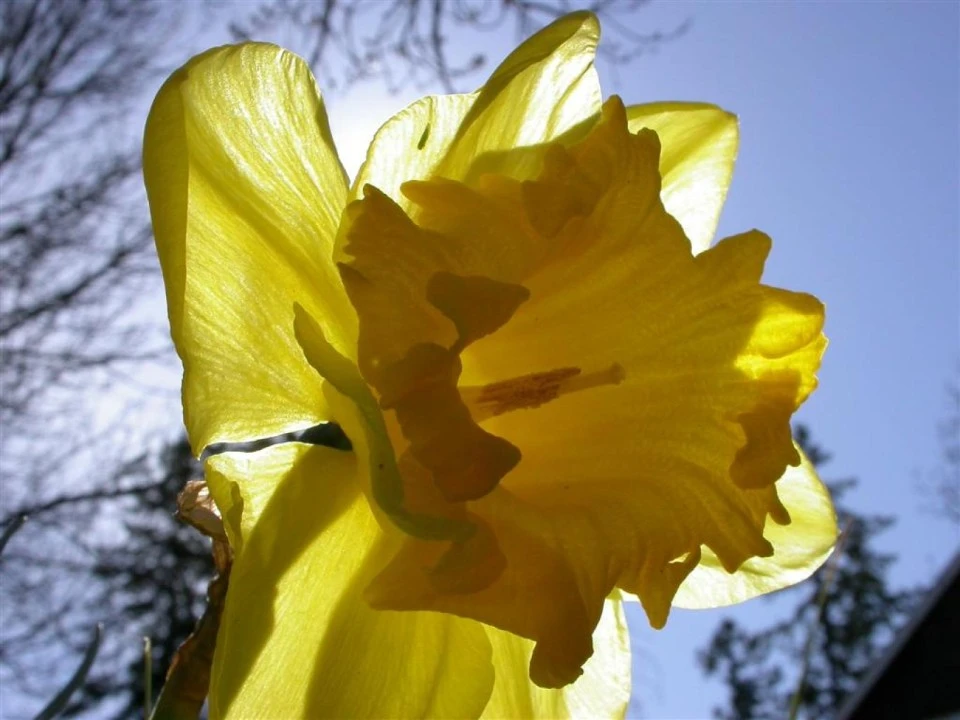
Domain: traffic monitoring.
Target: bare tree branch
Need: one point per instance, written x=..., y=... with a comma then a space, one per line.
x=407, y=42
x=92, y=496
x=76, y=269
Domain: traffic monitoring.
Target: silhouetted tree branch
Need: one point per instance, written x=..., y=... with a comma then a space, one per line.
x=73, y=247
x=76, y=264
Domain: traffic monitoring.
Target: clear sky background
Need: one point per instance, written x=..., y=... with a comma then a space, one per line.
x=849, y=157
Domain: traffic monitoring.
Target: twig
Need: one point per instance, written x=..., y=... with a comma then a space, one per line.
x=147, y=676
x=81, y=497
x=15, y=524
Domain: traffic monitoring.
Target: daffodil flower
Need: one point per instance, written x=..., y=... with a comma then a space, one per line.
x=559, y=396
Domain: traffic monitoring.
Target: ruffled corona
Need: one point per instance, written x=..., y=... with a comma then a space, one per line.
x=596, y=401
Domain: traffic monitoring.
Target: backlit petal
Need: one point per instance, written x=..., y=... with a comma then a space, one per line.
x=698, y=149
x=798, y=548
x=296, y=638
x=544, y=88
x=411, y=144
x=602, y=692
x=246, y=193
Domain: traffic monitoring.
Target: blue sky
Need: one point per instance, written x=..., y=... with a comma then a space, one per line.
x=850, y=147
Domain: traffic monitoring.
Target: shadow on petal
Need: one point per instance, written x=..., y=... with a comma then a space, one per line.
x=380, y=664
x=300, y=505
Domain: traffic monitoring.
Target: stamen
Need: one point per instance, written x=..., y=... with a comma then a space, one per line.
x=533, y=390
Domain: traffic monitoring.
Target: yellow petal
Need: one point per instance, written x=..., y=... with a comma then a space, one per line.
x=411, y=144
x=602, y=692
x=296, y=638
x=544, y=88
x=246, y=193
x=699, y=147
x=798, y=548
x=541, y=90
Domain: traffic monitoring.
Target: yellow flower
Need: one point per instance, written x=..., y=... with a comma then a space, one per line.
x=558, y=397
